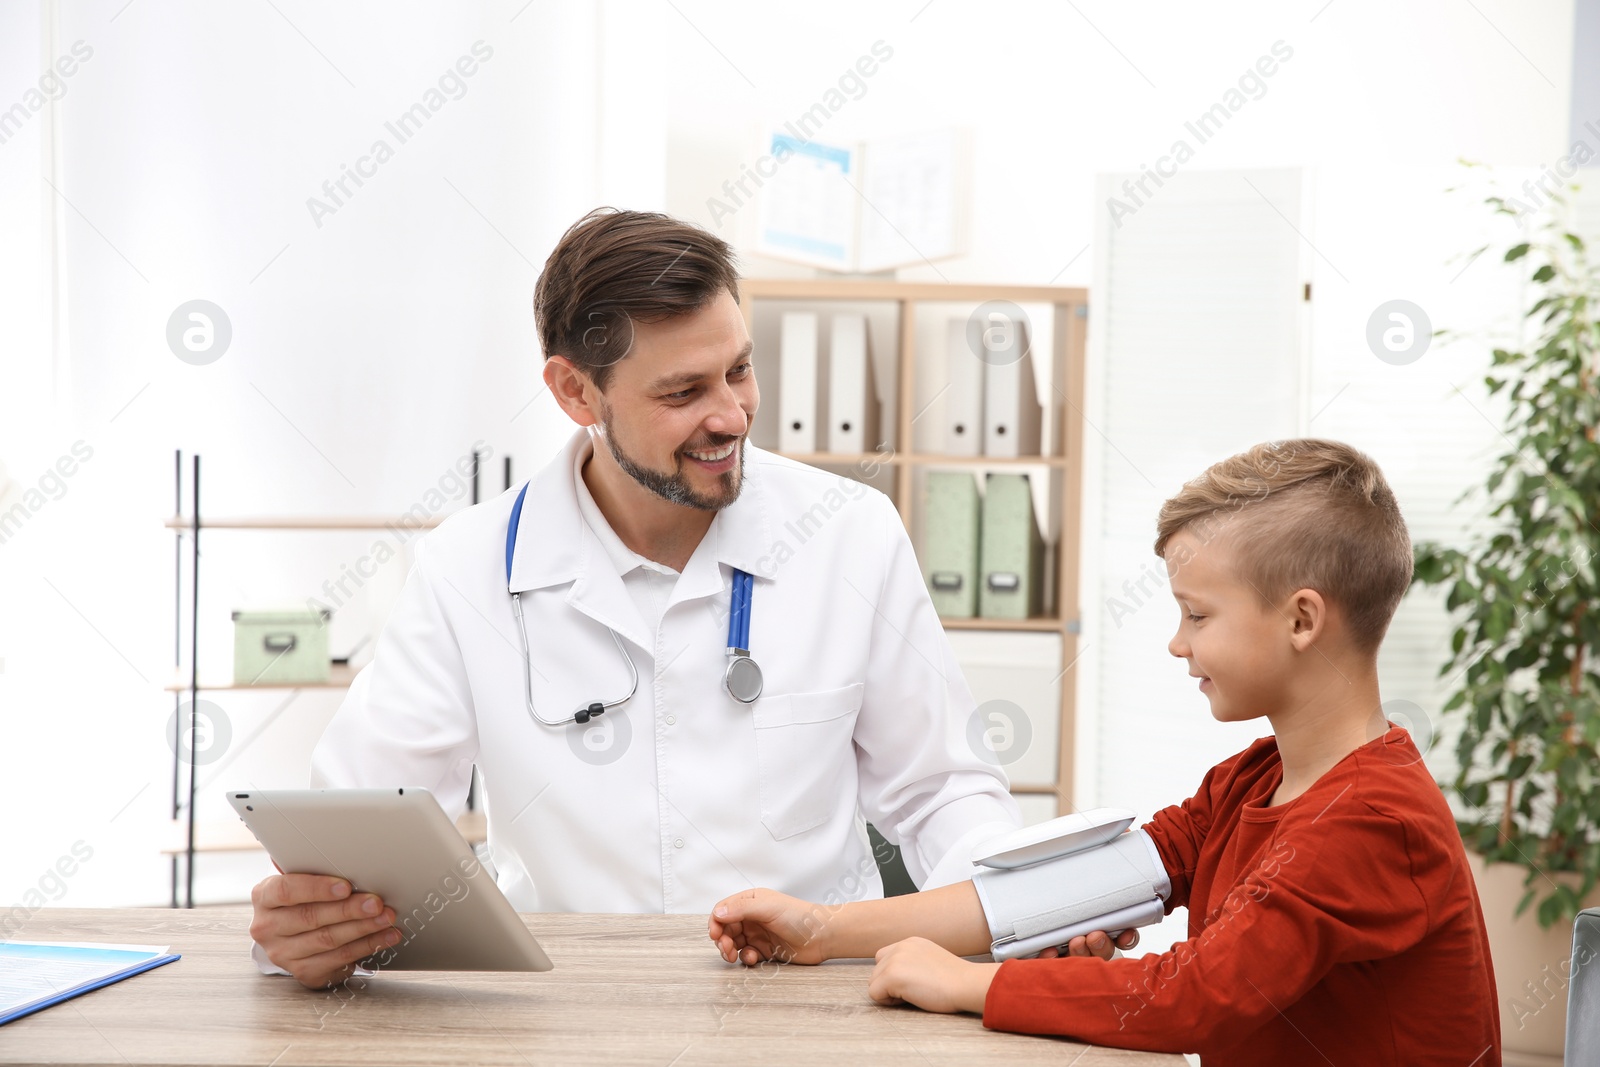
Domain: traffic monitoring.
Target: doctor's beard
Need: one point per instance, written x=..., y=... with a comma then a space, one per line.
x=674, y=486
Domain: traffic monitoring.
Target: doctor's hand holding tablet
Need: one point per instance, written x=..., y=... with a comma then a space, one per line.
x=313, y=927
x=681, y=664
x=432, y=906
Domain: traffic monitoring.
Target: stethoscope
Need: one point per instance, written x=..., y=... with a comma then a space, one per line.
x=742, y=678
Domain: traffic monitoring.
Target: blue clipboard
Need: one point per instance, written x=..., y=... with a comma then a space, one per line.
x=67, y=994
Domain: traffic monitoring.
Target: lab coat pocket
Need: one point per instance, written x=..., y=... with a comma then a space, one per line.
x=805, y=755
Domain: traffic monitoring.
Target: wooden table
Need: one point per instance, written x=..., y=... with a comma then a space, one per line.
x=629, y=989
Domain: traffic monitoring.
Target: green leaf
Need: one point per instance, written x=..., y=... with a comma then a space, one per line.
x=1527, y=898
x=1544, y=273
x=1517, y=252
x=1570, y=904
x=1428, y=567
x=1483, y=715
x=1499, y=621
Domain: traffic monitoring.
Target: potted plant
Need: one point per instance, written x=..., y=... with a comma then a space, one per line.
x=1525, y=653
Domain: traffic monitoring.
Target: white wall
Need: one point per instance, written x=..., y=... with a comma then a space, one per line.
x=368, y=353
x=1054, y=93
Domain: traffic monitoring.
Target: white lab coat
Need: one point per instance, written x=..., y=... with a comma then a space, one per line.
x=864, y=712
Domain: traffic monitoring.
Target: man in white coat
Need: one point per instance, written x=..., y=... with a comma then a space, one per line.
x=624, y=563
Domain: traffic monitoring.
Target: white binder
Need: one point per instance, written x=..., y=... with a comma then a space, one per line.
x=797, y=383
x=963, y=397
x=853, y=406
x=1012, y=414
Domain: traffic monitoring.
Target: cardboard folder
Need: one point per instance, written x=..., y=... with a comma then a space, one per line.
x=1012, y=414
x=853, y=406
x=963, y=397
x=950, y=556
x=1011, y=558
x=797, y=383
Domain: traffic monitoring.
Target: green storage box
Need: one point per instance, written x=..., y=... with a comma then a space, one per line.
x=283, y=647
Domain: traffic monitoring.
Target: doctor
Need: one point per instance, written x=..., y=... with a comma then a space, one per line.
x=683, y=665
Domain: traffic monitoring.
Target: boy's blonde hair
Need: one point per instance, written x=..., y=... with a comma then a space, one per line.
x=1304, y=514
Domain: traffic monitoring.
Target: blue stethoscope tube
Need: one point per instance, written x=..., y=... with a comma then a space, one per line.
x=743, y=676
x=742, y=679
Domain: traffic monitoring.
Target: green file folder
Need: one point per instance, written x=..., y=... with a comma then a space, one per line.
x=950, y=557
x=1011, y=563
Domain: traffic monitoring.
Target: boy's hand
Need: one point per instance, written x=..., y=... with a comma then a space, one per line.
x=1098, y=944
x=760, y=924
x=916, y=971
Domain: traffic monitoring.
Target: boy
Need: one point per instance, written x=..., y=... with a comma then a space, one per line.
x=1332, y=917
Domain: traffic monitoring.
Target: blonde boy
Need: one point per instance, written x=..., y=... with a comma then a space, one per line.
x=1332, y=916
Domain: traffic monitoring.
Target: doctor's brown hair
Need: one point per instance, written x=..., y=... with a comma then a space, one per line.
x=1303, y=514
x=613, y=268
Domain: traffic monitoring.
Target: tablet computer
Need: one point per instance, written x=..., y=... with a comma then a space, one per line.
x=399, y=844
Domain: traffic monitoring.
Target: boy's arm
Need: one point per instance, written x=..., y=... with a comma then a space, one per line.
x=1180, y=831
x=951, y=917
x=1177, y=835
x=760, y=924
x=1335, y=891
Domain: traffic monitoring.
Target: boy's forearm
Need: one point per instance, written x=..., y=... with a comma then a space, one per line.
x=951, y=917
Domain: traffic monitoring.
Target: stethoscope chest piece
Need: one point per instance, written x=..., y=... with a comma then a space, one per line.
x=743, y=677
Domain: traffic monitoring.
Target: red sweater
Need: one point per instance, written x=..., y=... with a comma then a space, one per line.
x=1342, y=928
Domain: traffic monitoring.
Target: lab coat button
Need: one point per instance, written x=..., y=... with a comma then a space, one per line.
x=672, y=720
x=678, y=843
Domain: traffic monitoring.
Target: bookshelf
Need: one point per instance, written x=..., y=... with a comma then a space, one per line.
x=905, y=455
x=188, y=837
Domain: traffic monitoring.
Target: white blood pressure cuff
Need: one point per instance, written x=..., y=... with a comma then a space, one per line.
x=1042, y=886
